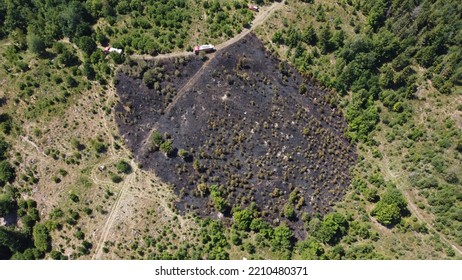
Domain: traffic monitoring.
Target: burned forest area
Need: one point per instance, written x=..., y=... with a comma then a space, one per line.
x=236, y=128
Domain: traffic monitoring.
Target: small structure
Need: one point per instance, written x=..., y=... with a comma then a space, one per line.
x=205, y=48
x=253, y=8
x=108, y=50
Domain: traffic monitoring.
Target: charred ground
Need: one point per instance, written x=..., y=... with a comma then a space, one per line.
x=249, y=129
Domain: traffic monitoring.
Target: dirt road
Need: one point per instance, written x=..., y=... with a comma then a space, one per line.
x=261, y=17
x=401, y=185
x=113, y=214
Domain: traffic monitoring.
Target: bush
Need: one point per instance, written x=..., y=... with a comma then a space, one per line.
x=390, y=208
x=36, y=44
x=7, y=204
x=282, y=238
x=123, y=167
x=99, y=147
x=333, y=227
x=74, y=197
x=183, y=153
x=87, y=44
x=451, y=178
x=243, y=219
x=167, y=147
x=6, y=173
x=42, y=240
x=370, y=194
x=116, y=178
x=156, y=139
x=71, y=82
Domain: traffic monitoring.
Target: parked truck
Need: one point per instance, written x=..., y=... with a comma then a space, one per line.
x=108, y=50
x=204, y=48
x=253, y=8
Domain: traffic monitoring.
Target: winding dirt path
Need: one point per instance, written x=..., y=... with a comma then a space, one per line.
x=402, y=186
x=112, y=214
x=260, y=18
x=25, y=139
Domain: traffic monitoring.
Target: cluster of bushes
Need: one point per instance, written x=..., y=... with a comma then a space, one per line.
x=164, y=144
x=225, y=19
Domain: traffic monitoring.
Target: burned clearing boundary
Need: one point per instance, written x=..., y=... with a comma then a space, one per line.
x=250, y=129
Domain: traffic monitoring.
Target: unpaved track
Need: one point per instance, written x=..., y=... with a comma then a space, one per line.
x=401, y=185
x=261, y=17
x=112, y=215
x=25, y=139
x=160, y=56
x=191, y=82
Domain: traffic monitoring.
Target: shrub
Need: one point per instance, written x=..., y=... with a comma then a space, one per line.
x=6, y=172
x=156, y=139
x=243, y=219
x=116, y=178
x=183, y=153
x=74, y=197
x=36, y=44
x=99, y=147
x=123, y=167
x=391, y=206
x=289, y=211
x=42, y=240
x=451, y=178
x=333, y=227
x=79, y=235
x=167, y=147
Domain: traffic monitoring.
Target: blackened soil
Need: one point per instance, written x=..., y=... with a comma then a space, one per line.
x=252, y=126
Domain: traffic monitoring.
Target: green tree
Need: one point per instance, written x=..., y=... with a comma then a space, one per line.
x=258, y=224
x=311, y=249
x=282, y=238
x=243, y=219
x=87, y=44
x=5, y=127
x=42, y=240
x=390, y=208
x=156, y=140
x=167, y=147
x=289, y=211
x=123, y=167
x=333, y=227
x=7, y=204
x=6, y=172
x=217, y=199
x=36, y=44
x=3, y=148
x=309, y=36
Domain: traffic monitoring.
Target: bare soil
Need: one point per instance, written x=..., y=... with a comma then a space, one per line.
x=249, y=126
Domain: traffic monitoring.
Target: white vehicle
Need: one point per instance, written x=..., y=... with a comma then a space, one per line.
x=110, y=49
x=205, y=48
